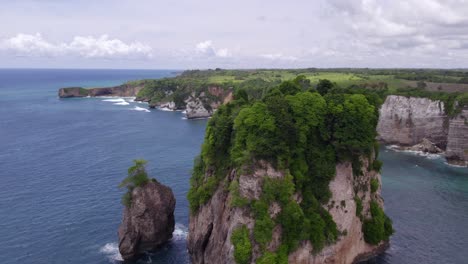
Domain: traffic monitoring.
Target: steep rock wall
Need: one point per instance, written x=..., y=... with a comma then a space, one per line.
x=457, y=145
x=407, y=120
x=211, y=228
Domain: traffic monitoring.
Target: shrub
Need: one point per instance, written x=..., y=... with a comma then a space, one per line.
x=377, y=165
x=379, y=227
x=242, y=246
x=267, y=258
x=374, y=184
x=359, y=206
x=137, y=176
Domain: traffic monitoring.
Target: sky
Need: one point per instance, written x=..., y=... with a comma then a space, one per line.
x=189, y=34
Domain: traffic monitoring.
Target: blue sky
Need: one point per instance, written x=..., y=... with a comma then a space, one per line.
x=233, y=34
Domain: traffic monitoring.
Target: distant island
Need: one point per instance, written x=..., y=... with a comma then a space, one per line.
x=415, y=105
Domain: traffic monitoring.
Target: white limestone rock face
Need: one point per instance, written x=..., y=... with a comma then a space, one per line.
x=342, y=206
x=457, y=146
x=211, y=227
x=407, y=121
x=196, y=109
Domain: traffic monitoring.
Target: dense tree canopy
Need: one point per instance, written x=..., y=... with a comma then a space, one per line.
x=299, y=131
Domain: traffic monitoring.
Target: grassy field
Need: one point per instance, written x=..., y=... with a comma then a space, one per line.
x=392, y=79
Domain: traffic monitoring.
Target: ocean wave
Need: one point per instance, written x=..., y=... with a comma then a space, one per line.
x=165, y=109
x=180, y=232
x=137, y=108
x=115, y=100
x=454, y=165
x=121, y=103
x=111, y=250
x=428, y=155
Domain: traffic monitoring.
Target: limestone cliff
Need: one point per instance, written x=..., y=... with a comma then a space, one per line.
x=124, y=90
x=408, y=121
x=211, y=228
x=457, y=141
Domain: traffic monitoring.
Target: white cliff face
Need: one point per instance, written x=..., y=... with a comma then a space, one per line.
x=457, y=145
x=342, y=206
x=211, y=227
x=408, y=120
x=195, y=107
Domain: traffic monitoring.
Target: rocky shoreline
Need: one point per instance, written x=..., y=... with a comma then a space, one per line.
x=421, y=124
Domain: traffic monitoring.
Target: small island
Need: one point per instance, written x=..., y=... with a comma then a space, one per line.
x=148, y=218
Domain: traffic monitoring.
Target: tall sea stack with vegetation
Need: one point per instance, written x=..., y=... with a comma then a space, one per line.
x=290, y=177
x=148, y=218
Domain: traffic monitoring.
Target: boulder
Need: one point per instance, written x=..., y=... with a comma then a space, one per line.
x=148, y=222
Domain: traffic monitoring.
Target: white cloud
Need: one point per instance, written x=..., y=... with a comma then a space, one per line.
x=88, y=47
x=278, y=56
x=206, y=48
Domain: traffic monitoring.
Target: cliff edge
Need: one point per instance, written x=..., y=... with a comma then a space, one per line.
x=408, y=121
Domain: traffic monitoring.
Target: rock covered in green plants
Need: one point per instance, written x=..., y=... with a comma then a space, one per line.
x=277, y=179
x=148, y=217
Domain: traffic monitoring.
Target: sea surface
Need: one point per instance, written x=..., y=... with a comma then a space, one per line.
x=61, y=161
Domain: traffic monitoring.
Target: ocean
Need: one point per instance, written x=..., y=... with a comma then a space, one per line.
x=61, y=161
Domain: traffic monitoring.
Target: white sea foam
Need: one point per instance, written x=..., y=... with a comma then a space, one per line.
x=111, y=250
x=180, y=232
x=137, y=108
x=453, y=165
x=397, y=148
x=115, y=100
x=165, y=109
x=122, y=103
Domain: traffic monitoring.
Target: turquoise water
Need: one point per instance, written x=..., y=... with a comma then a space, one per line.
x=62, y=159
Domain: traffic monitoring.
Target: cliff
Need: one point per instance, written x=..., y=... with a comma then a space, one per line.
x=457, y=141
x=408, y=121
x=288, y=179
x=125, y=90
x=211, y=228
x=148, y=222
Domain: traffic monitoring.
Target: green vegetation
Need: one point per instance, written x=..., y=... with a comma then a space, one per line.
x=379, y=227
x=302, y=133
x=359, y=206
x=137, y=176
x=374, y=184
x=242, y=246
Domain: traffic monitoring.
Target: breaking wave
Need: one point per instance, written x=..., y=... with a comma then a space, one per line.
x=180, y=232
x=137, y=108
x=111, y=250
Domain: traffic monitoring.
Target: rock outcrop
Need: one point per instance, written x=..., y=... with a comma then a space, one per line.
x=457, y=145
x=419, y=122
x=125, y=90
x=148, y=222
x=407, y=120
x=425, y=146
x=212, y=226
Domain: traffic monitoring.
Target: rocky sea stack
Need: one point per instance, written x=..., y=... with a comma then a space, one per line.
x=292, y=178
x=148, y=219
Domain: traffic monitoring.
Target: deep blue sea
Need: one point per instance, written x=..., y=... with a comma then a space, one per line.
x=62, y=159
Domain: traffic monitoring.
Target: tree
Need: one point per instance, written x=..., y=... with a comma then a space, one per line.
x=137, y=176
x=323, y=86
x=289, y=88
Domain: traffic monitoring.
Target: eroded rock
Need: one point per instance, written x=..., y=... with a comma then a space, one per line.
x=148, y=222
